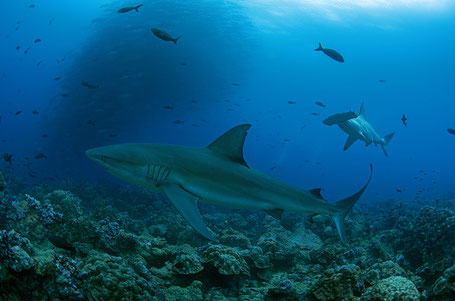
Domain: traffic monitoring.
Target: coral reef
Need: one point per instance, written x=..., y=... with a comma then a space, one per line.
x=84, y=245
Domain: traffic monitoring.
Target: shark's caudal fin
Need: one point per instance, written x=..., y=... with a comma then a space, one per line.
x=230, y=144
x=137, y=7
x=386, y=141
x=319, y=48
x=345, y=206
x=176, y=39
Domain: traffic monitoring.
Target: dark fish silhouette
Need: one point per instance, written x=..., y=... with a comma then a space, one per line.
x=18, y=47
x=178, y=122
x=315, y=114
x=404, y=119
x=168, y=107
x=236, y=84
x=7, y=157
x=382, y=80
x=35, y=112
x=58, y=78
x=40, y=156
x=291, y=102
x=161, y=34
x=64, y=94
x=331, y=53
x=32, y=6
x=90, y=86
x=26, y=50
x=18, y=112
x=52, y=20
x=37, y=41
x=91, y=122
x=129, y=8
x=318, y=103
x=451, y=131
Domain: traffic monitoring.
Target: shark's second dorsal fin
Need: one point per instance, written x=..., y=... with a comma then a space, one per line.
x=362, y=110
x=230, y=144
x=317, y=193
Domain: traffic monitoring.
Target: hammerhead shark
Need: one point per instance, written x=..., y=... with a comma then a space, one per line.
x=216, y=174
x=358, y=128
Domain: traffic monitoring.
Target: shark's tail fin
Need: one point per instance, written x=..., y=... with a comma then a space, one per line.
x=345, y=206
x=137, y=7
x=176, y=39
x=386, y=141
x=319, y=48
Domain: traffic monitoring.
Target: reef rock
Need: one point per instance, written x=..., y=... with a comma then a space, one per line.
x=395, y=288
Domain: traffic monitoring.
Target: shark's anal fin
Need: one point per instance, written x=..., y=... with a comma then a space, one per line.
x=230, y=144
x=186, y=204
x=317, y=193
x=276, y=213
x=349, y=142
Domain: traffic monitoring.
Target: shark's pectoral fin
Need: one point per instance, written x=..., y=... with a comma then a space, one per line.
x=230, y=144
x=349, y=142
x=276, y=213
x=368, y=143
x=186, y=204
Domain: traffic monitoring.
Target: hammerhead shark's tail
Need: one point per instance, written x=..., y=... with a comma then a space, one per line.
x=137, y=7
x=175, y=40
x=319, y=48
x=386, y=141
x=345, y=206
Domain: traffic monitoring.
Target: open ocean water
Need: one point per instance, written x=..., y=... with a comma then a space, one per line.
x=221, y=150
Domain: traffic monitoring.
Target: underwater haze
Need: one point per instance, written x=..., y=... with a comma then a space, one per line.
x=79, y=75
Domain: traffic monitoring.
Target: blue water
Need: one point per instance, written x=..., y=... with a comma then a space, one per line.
x=266, y=49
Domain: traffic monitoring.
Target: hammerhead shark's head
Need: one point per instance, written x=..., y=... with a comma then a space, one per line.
x=358, y=128
x=216, y=174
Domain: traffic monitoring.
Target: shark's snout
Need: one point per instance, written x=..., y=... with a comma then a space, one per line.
x=95, y=155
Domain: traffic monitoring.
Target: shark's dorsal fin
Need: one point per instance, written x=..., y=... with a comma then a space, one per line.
x=230, y=144
x=317, y=193
x=362, y=110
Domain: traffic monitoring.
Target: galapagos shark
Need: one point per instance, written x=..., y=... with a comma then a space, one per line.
x=216, y=174
x=358, y=128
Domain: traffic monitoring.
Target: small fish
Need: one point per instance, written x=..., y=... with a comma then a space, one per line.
x=39, y=63
x=331, y=53
x=35, y=112
x=161, y=34
x=168, y=107
x=18, y=112
x=291, y=102
x=90, y=86
x=183, y=64
x=26, y=50
x=37, y=41
x=40, y=156
x=404, y=119
x=32, y=6
x=236, y=84
x=129, y=8
x=7, y=157
x=91, y=122
x=195, y=124
x=382, y=80
x=318, y=103
x=451, y=131
x=52, y=20
x=18, y=22
x=44, y=136
x=18, y=47
x=178, y=122
x=315, y=114
x=57, y=78
x=399, y=190
x=64, y=94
